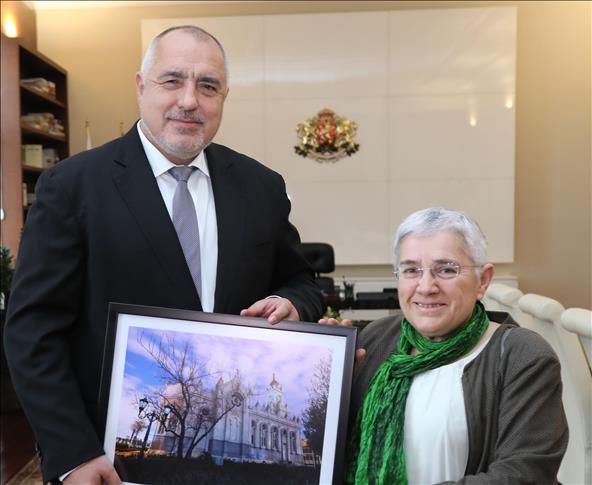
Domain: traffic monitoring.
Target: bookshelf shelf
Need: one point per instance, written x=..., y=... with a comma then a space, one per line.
x=29, y=130
x=27, y=91
x=30, y=168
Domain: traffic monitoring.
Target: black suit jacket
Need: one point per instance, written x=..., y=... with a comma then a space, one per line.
x=99, y=232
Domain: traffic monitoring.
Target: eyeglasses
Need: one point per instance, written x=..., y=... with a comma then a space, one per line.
x=444, y=271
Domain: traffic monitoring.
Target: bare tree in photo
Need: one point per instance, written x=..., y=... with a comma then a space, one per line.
x=137, y=426
x=192, y=414
x=205, y=420
x=313, y=417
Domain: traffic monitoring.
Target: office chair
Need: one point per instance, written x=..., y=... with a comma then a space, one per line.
x=321, y=258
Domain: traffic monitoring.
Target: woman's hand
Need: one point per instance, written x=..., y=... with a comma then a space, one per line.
x=360, y=353
x=335, y=321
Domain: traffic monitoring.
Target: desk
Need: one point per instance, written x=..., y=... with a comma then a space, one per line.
x=367, y=306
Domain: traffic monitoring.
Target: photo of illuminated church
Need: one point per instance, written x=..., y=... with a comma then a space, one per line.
x=251, y=427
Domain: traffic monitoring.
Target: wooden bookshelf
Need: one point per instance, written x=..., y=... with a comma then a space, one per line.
x=18, y=63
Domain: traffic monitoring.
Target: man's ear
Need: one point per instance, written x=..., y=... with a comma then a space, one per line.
x=139, y=84
x=485, y=279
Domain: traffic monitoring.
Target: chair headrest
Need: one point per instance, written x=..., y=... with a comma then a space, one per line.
x=320, y=256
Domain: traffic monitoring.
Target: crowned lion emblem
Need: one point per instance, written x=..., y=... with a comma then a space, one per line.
x=326, y=137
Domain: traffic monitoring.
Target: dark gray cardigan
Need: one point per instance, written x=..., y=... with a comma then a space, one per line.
x=512, y=392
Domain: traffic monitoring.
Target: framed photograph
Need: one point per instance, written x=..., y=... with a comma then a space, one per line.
x=192, y=397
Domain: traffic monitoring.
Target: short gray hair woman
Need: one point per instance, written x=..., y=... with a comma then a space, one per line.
x=448, y=392
x=437, y=219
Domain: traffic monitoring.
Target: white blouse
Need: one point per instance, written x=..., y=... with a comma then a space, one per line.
x=436, y=438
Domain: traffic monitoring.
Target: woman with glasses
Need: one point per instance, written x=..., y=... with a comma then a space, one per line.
x=447, y=392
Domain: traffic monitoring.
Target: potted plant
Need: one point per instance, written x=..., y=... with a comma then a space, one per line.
x=6, y=272
x=9, y=402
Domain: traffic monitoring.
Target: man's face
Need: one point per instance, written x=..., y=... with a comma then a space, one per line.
x=182, y=96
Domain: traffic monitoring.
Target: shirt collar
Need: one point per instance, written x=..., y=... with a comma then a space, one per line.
x=160, y=164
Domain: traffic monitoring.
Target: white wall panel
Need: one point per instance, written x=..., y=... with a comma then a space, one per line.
x=470, y=50
x=415, y=82
x=326, y=55
x=351, y=216
x=451, y=136
x=243, y=127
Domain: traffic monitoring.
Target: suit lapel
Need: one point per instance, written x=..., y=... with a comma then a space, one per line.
x=230, y=202
x=138, y=188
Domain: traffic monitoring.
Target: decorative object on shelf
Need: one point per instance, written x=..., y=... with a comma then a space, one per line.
x=348, y=290
x=326, y=137
x=45, y=122
x=40, y=85
x=50, y=157
x=32, y=155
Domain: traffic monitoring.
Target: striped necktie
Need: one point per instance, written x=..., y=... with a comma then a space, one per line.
x=185, y=222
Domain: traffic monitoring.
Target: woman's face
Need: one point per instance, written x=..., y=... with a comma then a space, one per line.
x=437, y=307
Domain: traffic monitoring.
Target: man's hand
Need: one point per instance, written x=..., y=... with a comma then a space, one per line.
x=360, y=353
x=274, y=309
x=94, y=472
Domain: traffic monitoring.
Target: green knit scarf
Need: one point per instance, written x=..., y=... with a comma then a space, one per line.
x=376, y=454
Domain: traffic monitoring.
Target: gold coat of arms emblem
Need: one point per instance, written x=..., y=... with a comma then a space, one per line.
x=326, y=137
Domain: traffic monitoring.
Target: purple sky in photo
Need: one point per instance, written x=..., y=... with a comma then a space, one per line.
x=256, y=360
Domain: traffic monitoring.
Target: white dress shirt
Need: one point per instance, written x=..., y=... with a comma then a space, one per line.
x=200, y=188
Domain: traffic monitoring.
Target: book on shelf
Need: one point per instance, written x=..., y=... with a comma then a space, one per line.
x=32, y=155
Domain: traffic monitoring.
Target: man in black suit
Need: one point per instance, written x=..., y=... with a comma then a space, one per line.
x=101, y=231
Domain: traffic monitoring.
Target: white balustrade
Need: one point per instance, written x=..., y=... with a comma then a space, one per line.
x=546, y=315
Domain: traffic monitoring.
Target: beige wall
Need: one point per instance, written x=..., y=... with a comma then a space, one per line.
x=101, y=49
x=553, y=151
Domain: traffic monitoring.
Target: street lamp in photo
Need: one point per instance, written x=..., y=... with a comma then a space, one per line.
x=151, y=416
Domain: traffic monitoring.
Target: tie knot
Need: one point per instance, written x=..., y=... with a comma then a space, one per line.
x=182, y=173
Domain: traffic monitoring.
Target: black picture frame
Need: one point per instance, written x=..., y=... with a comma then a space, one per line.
x=173, y=376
